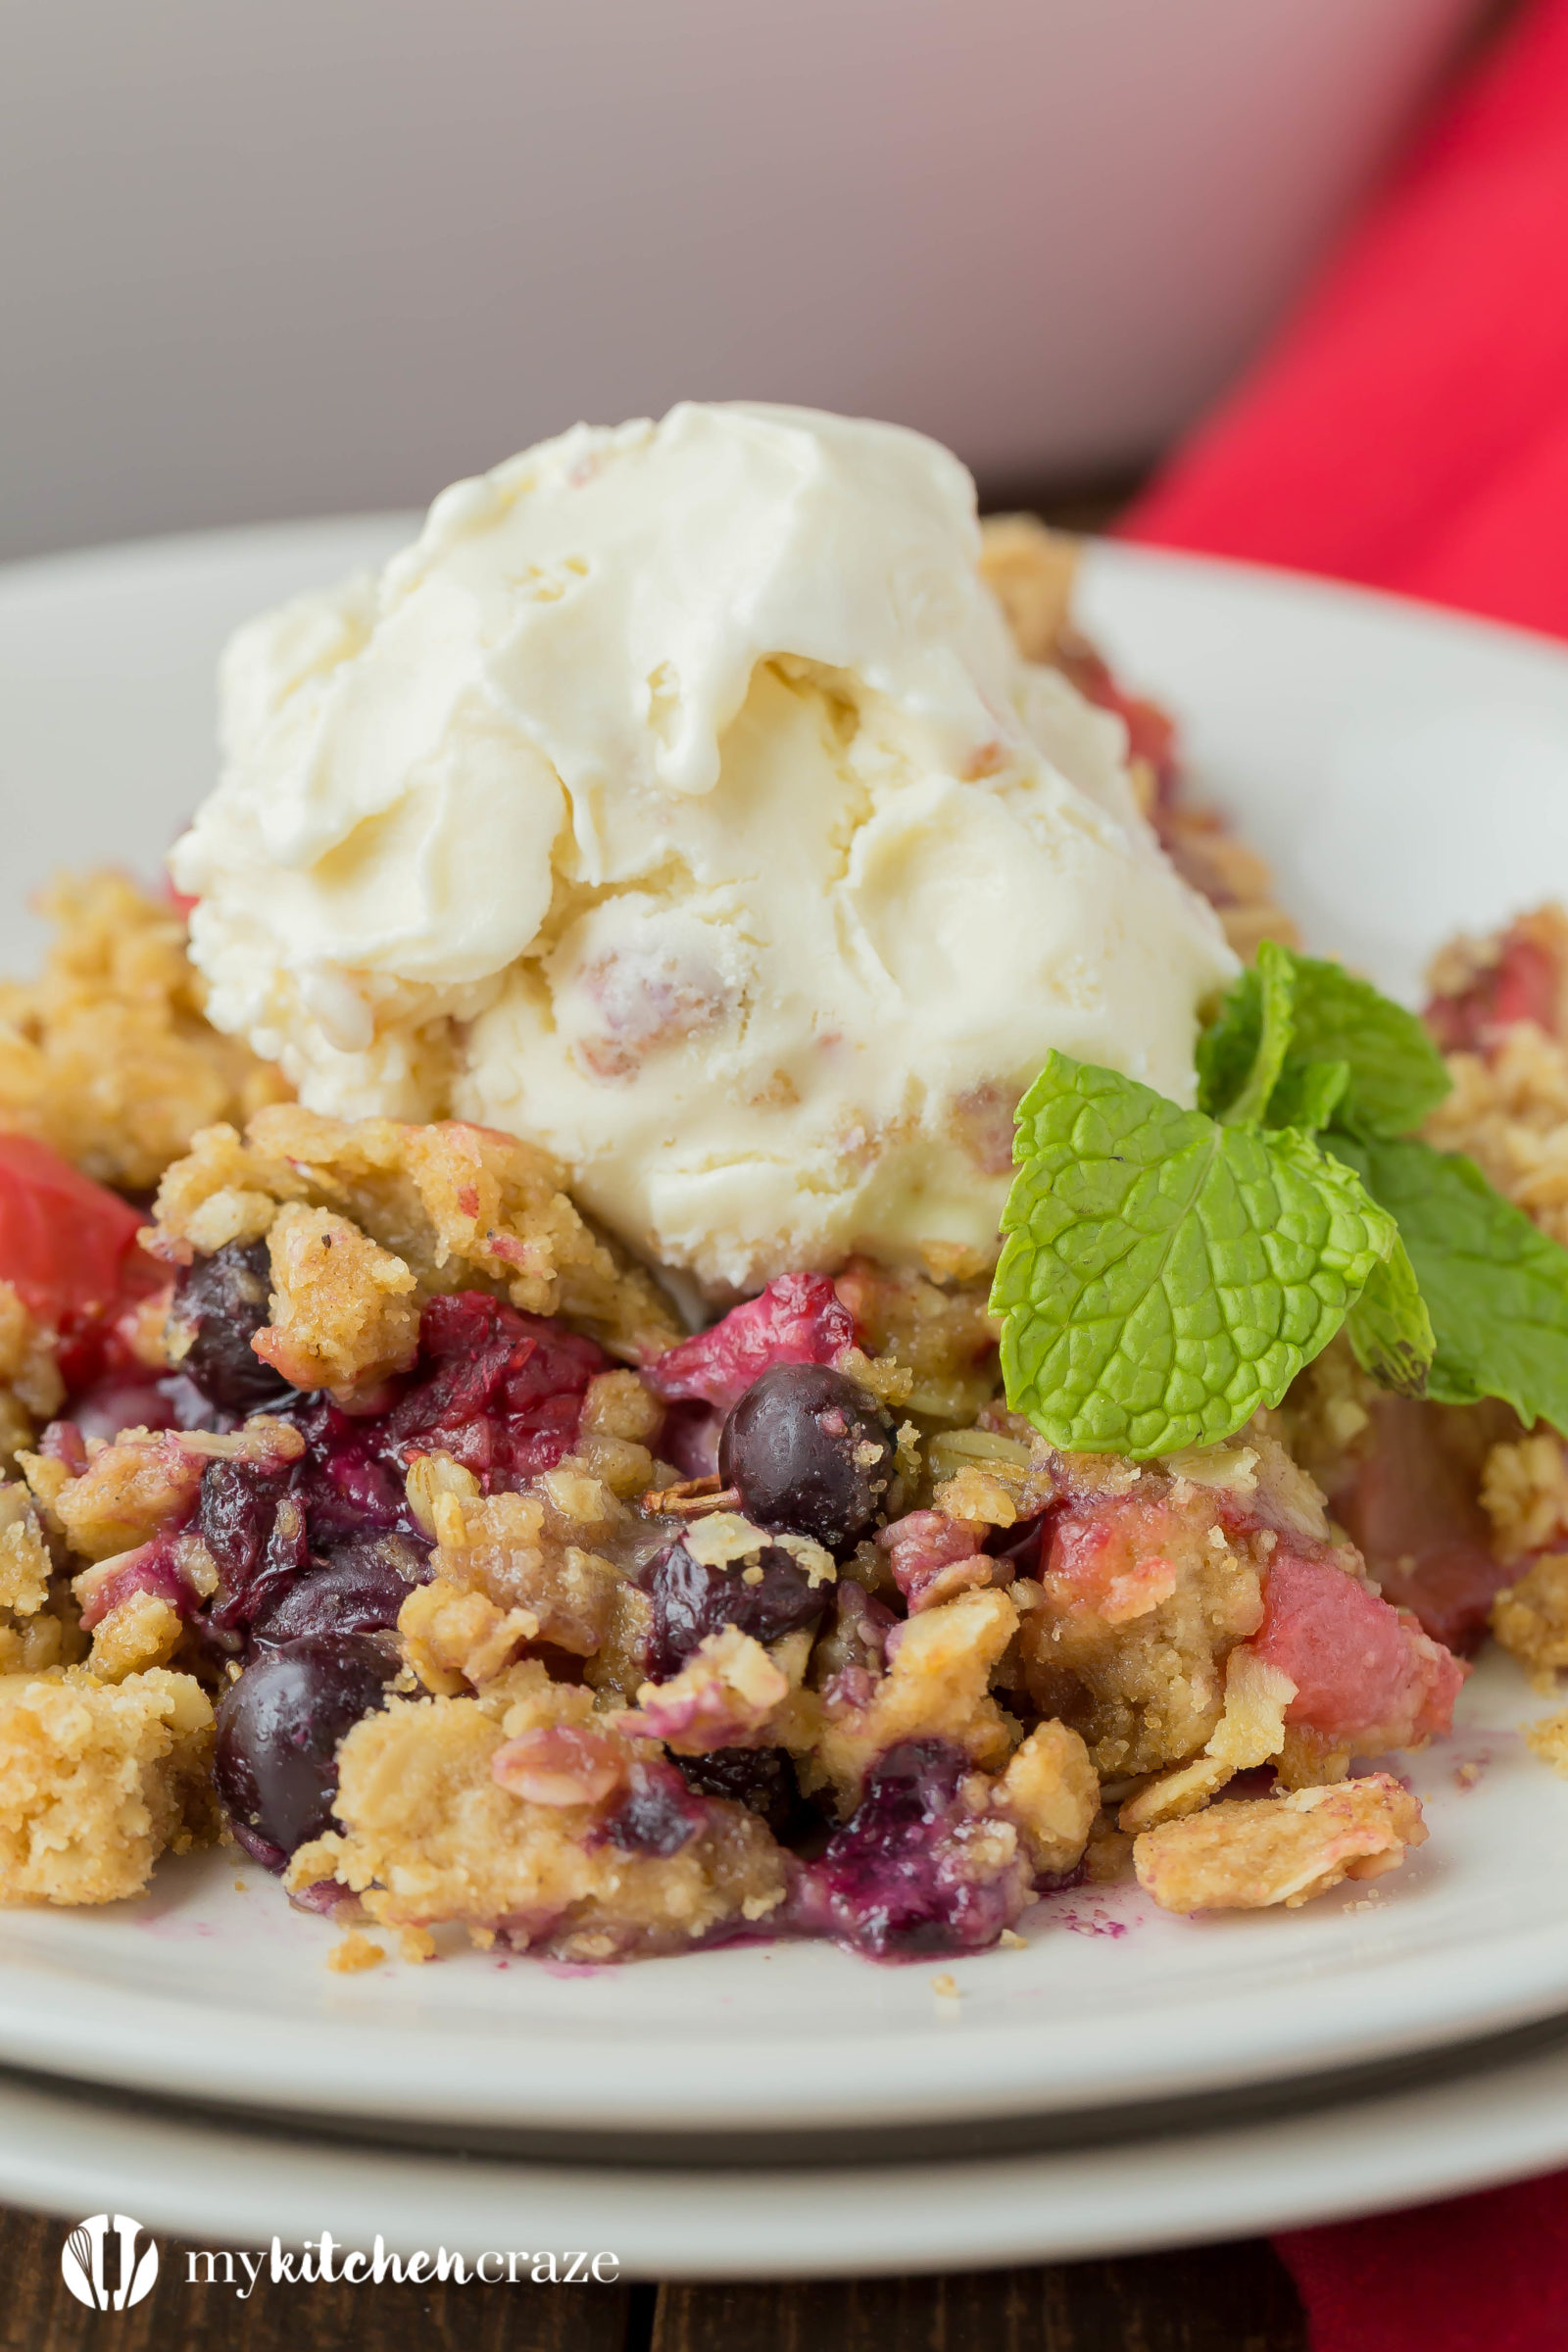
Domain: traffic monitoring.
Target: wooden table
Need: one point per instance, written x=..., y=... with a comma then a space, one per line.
x=1232, y=2298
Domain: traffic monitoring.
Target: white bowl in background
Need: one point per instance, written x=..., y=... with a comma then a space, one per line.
x=267, y=261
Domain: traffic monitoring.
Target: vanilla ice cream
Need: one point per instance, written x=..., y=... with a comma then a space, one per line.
x=678, y=800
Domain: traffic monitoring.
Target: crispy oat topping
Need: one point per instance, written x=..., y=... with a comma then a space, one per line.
x=96, y=1780
x=1246, y=1854
x=1531, y=1618
x=1524, y=1489
x=459, y=1207
x=1548, y=1739
x=107, y=1056
x=431, y=1833
x=937, y=1686
x=1030, y=571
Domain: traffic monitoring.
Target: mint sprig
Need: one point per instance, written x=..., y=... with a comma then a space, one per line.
x=1494, y=1285
x=1393, y=1072
x=1163, y=1275
x=1389, y=1326
x=1166, y=1272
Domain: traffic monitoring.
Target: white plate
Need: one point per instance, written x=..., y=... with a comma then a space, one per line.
x=1410, y=772
x=228, y=2182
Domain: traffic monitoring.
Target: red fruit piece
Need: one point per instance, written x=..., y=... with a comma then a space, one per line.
x=1363, y=1672
x=499, y=1391
x=1410, y=1505
x=799, y=1319
x=67, y=1244
x=1526, y=983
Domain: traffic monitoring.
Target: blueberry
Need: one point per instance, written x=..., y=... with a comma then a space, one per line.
x=656, y=1815
x=761, y=1779
x=219, y=1303
x=692, y=1600
x=358, y=1588
x=908, y=1876
x=278, y=1729
x=254, y=1524
x=809, y=1451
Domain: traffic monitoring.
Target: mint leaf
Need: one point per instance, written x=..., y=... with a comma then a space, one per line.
x=1227, y=1048
x=1274, y=992
x=1162, y=1276
x=1396, y=1073
x=1308, y=1095
x=1389, y=1326
x=1494, y=1285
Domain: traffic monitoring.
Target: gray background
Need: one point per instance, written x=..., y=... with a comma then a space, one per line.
x=276, y=257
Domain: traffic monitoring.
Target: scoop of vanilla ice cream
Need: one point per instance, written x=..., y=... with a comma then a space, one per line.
x=678, y=800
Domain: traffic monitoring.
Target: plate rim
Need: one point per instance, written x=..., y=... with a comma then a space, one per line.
x=218, y=2178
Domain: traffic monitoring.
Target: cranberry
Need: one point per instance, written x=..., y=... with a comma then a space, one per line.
x=278, y=1730
x=499, y=1391
x=809, y=1450
x=1522, y=984
x=348, y=1490
x=220, y=1303
x=761, y=1779
x=900, y=1880
x=358, y=1588
x=692, y=1600
x=799, y=1319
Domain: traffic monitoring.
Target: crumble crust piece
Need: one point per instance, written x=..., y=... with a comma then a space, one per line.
x=1524, y=1490
x=146, y=1479
x=38, y=1621
x=96, y=1780
x=1248, y=1853
x=525, y=1559
x=937, y=1686
x=1051, y=1790
x=462, y=1209
x=343, y=1310
x=727, y=1694
x=355, y=1953
x=141, y=1630
x=1508, y=1110
x=942, y=1337
x=1531, y=1618
x=26, y=1564
x=107, y=1057
x=431, y=1833
x=1250, y=1732
x=1138, y=1668
x=1030, y=571
x=1548, y=1739
x=32, y=1389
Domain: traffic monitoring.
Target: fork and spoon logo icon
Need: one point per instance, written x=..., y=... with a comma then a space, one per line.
x=86, y=2261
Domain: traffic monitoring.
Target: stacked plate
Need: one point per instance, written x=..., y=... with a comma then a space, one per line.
x=1126, y=2078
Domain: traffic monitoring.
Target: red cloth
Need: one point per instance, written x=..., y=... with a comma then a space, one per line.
x=1410, y=428
x=1409, y=425
x=1484, y=2273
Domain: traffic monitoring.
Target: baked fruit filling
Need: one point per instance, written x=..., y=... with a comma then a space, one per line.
x=366, y=1506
